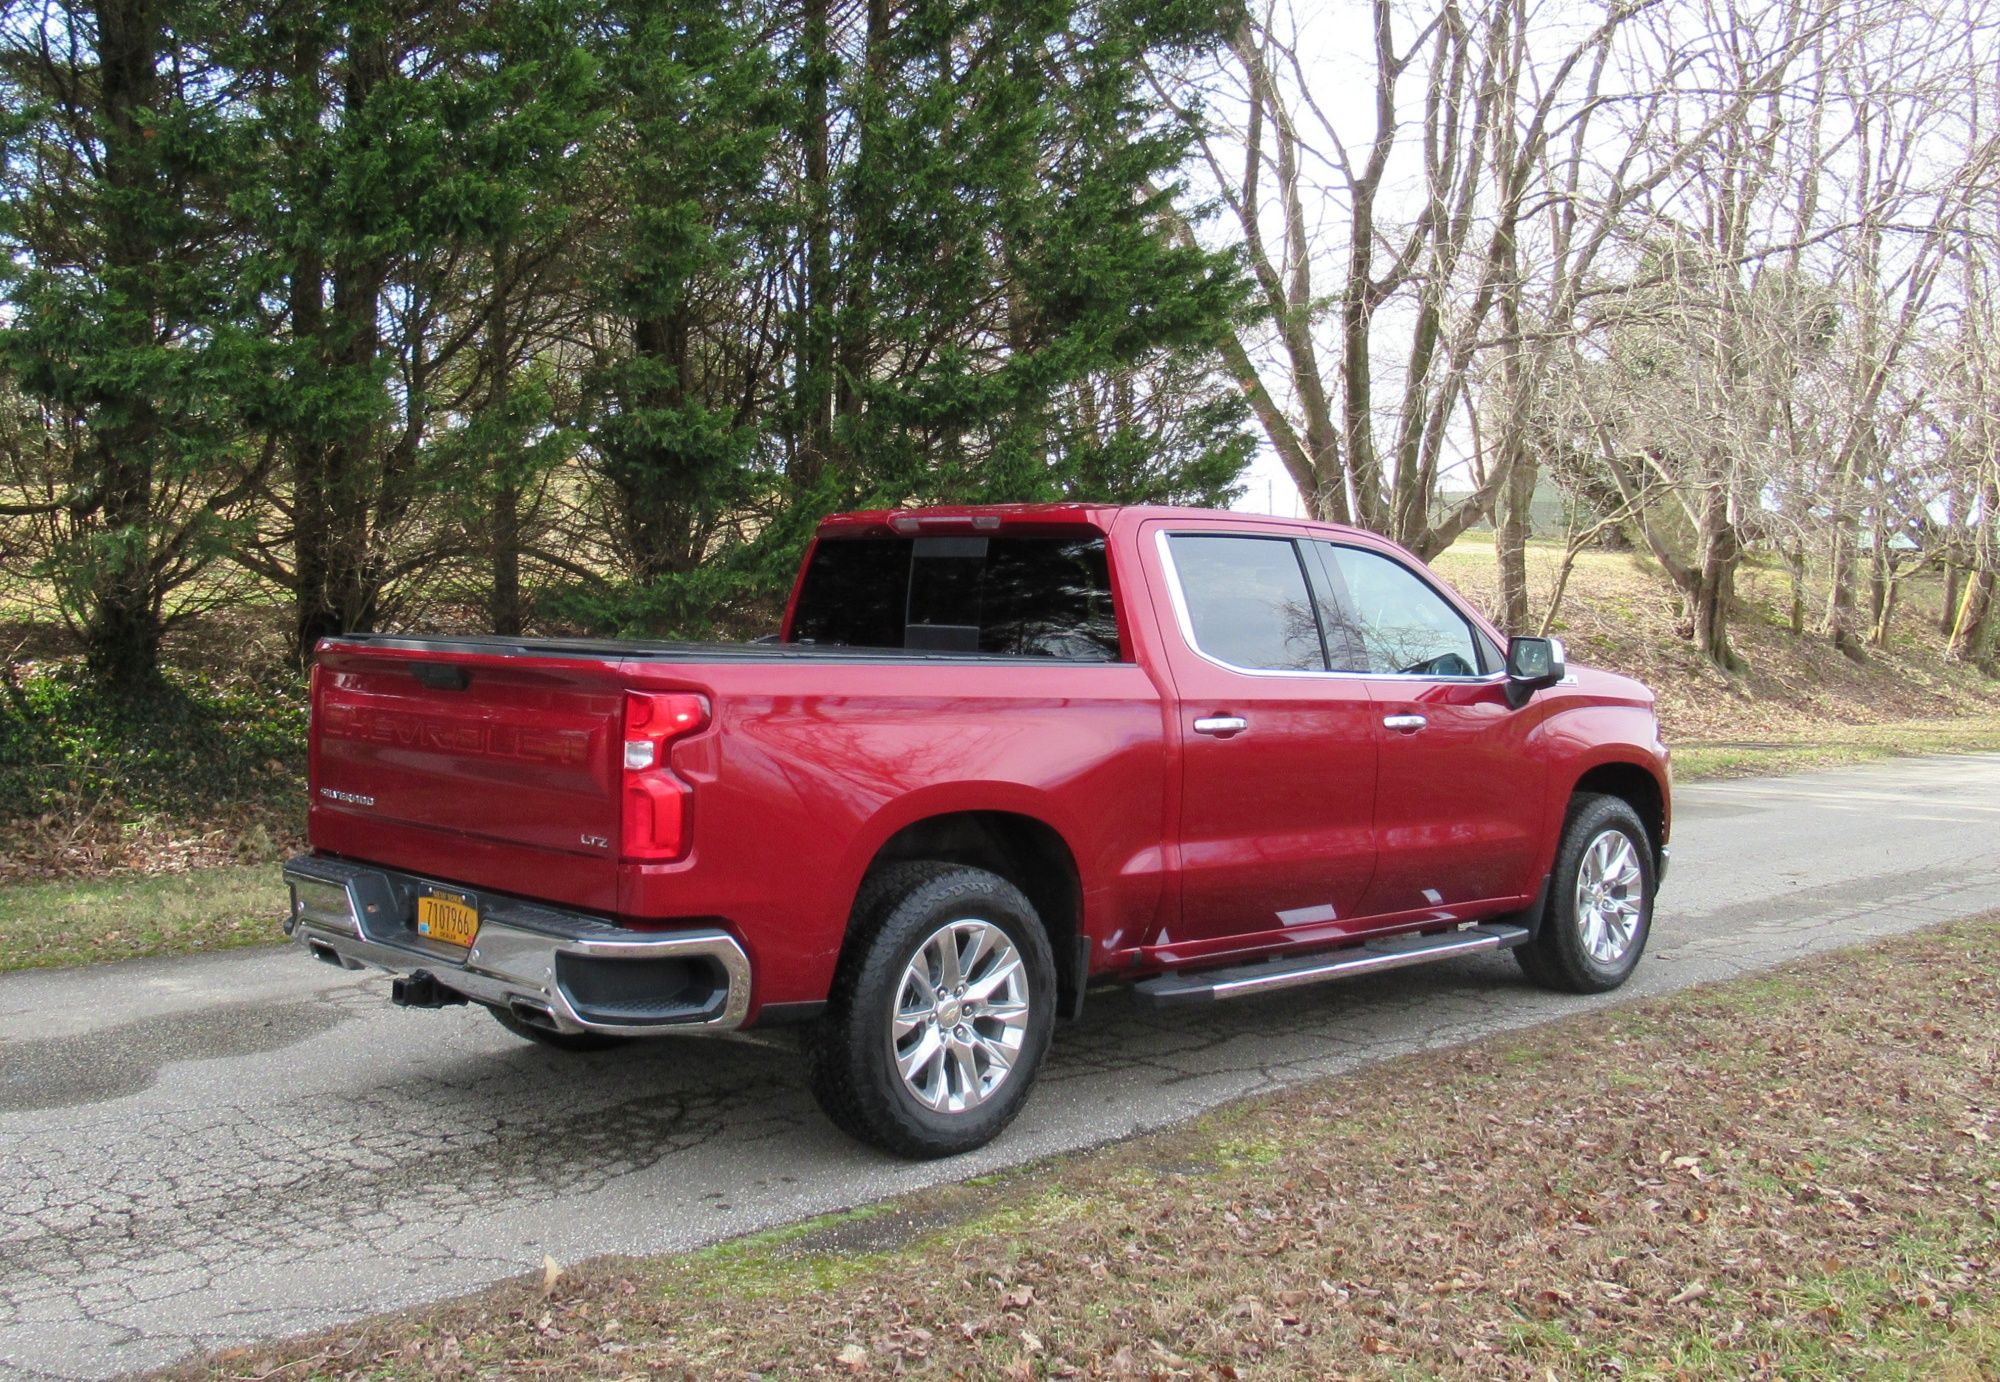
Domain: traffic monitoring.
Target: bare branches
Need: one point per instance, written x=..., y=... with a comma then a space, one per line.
x=1695, y=255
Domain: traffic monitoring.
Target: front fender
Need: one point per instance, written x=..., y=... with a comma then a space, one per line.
x=1576, y=741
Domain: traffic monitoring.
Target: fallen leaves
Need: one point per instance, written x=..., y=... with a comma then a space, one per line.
x=1688, y=1178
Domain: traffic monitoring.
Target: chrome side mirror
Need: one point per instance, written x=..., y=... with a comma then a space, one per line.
x=1533, y=663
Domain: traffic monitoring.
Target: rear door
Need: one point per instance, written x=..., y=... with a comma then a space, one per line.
x=1276, y=836
x=1458, y=799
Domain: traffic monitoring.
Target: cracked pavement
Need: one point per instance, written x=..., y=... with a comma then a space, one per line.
x=199, y=1152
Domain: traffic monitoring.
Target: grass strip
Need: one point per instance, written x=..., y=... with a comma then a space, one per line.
x=1790, y=1175
x=1834, y=746
x=82, y=921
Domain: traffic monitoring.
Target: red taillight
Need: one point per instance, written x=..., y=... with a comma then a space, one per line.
x=654, y=810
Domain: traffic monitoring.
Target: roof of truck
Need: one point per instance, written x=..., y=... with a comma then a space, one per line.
x=946, y=518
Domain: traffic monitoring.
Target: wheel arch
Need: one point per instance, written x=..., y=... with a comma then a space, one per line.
x=1025, y=850
x=1639, y=787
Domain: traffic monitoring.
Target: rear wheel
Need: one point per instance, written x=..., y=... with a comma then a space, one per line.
x=1600, y=908
x=559, y=1041
x=940, y=1012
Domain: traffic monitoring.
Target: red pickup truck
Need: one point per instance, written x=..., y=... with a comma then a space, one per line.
x=996, y=755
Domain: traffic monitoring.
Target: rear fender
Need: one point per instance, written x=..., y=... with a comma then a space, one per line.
x=950, y=799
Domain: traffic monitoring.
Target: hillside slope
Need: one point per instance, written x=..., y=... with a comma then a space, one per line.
x=1620, y=613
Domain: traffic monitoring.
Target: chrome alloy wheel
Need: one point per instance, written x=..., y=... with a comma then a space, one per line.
x=1610, y=891
x=961, y=1015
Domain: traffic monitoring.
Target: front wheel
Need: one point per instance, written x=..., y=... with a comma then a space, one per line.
x=1600, y=908
x=940, y=1012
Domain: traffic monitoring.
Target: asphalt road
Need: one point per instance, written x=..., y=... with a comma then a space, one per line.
x=203, y=1151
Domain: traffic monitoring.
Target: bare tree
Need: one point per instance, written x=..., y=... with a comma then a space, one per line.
x=1461, y=219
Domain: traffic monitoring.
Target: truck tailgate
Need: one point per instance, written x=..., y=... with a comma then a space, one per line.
x=518, y=752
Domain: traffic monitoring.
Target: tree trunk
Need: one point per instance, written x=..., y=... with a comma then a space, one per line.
x=1890, y=588
x=1795, y=562
x=312, y=504
x=337, y=581
x=1973, y=629
x=1714, y=584
x=1954, y=511
x=122, y=623
x=503, y=602
x=1841, y=620
x=1511, y=530
x=1881, y=580
x=816, y=291
x=857, y=327
x=1711, y=624
x=655, y=485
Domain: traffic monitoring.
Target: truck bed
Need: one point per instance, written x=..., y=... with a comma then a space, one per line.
x=616, y=650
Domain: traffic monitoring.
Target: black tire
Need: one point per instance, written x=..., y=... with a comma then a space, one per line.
x=852, y=1052
x=1558, y=957
x=558, y=1041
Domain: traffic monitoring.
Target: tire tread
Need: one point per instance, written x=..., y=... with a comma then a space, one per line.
x=1550, y=960
x=838, y=1054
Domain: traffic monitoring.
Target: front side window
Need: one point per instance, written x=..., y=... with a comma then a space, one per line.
x=1384, y=619
x=1248, y=601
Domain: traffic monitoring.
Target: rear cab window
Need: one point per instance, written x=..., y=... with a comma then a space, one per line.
x=993, y=595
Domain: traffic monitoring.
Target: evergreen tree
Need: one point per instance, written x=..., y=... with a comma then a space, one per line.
x=419, y=182
x=991, y=306
x=344, y=290
x=349, y=143
x=522, y=126
x=127, y=324
x=678, y=381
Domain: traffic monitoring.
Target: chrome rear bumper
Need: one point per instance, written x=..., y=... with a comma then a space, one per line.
x=566, y=971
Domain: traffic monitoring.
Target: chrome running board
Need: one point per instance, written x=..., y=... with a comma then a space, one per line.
x=1296, y=971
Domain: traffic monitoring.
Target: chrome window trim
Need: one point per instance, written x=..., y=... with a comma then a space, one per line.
x=1186, y=622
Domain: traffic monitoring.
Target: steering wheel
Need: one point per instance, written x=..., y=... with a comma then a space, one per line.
x=1443, y=665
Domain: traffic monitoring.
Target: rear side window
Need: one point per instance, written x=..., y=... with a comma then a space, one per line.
x=1248, y=603
x=1002, y=596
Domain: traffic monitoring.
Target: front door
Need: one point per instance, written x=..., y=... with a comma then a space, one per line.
x=1458, y=797
x=1278, y=763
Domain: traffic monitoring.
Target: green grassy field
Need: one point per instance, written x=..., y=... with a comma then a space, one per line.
x=1836, y=746
x=82, y=920
x=210, y=776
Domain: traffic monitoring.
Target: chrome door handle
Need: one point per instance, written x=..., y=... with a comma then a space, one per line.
x=1404, y=724
x=1224, y=725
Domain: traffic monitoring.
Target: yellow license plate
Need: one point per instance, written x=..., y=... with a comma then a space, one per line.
x=447, y=917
